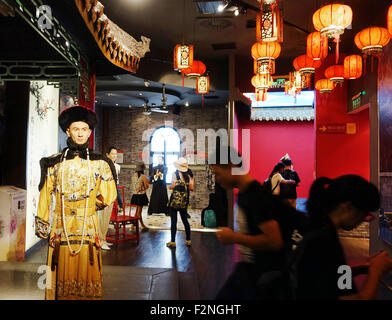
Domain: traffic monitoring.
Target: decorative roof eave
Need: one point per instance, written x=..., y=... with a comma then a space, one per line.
x=118, y=46
x=282, y=114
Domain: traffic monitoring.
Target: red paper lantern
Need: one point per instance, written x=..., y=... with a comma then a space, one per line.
x=335, y=73
x=372, y=40
x=261, y=82
x=389, y=20
x=183, y=56
x=306, y=66
x=325, y=85
x=266, y=50
x=198, y=68
x=352, y=67
x=265, y=54
x=316, y=46
x=331, y=20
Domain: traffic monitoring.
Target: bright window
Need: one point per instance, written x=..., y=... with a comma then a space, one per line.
x=166, y=143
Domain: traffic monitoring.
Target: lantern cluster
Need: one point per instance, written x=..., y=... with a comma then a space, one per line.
x=294, y=85
x=194, y=69
x=330, y=22
x=269, y=34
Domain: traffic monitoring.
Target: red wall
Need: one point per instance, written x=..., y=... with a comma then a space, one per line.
x=270, y=140
x=338, y=154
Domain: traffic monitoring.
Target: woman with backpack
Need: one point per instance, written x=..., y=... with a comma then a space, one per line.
x=182, y=184
x=139, y=197
x=276, y=178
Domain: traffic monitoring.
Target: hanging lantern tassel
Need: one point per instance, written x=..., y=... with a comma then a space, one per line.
x=183, y=80
x=264, y=95
x=378, y=55
x=337, y=40
x=307, y=80
x=364, y=64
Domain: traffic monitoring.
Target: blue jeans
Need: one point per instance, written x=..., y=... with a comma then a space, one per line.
x=119, y=199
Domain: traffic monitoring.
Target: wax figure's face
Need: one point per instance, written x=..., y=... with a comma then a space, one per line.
x=79, y=132
x=112, y=155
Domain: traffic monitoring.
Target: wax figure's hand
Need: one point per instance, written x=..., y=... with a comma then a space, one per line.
x=225, y=235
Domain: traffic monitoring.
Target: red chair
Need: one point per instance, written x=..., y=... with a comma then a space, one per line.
x=123, y=219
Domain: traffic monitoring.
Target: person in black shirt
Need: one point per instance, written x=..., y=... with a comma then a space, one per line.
x=333, y=204
x=288, y=192
x=158, y=198
x=259, y=236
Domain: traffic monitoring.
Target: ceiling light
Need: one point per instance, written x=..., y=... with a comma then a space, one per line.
x=129, y=106
x=222, y=6
x=236, y=12
x=140, y=94
x=146, y=110
x=117, y=104
x=187, y=104
x=146, y=83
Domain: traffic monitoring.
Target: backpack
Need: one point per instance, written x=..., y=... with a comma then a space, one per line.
x=267, y=186
x=209, y=219
x=179, y=197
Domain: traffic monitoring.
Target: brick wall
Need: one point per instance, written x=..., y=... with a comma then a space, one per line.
x=126, y=127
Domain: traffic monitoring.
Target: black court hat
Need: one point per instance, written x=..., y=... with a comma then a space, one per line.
x=77, y=113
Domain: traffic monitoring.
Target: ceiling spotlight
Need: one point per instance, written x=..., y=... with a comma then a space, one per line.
x=236, y=12
x=140, y=94
x=117, y=104
x=222, y=6
x=187, y=104
x=146, y=83
x=129, y=106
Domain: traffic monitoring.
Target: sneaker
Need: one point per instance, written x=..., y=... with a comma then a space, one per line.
x=105, y=247
x=171, y=244
x=188, y=243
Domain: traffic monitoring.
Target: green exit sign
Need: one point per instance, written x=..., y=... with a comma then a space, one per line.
x=356, y=101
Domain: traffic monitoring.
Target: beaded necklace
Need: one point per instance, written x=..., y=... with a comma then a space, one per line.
x=86, y=205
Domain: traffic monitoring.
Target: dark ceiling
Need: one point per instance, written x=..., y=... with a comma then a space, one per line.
x=168, y=22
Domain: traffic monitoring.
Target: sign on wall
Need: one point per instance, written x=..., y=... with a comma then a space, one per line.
x=42, y=141
x=343, y=128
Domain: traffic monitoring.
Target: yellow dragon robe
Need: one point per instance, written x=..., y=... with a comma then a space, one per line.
x=73, y=276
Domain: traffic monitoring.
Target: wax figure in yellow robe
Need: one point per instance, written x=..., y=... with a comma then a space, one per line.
x=82, y=183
